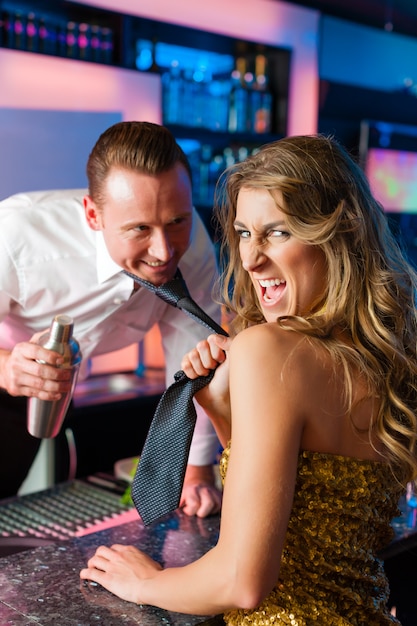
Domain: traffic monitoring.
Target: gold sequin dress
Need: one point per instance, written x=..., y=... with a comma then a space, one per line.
x=340, y=520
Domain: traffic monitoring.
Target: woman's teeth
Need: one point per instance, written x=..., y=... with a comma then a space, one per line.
x=270, y=291
x=271, y=282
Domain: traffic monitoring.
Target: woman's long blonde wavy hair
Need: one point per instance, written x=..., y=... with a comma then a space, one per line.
x=371, y=287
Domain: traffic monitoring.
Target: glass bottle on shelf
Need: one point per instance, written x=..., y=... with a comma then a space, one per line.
x=72, y=40
x=201, y=103
x=61, y=37
x=154, y=67
x=32, y=33
x=13, y=29
x=228, y=156
x=52, y=36
x=146, y=55
x=84, y=41
x=20, y=30
x=218, y=112
x=95, y=42
x=106, y=45
x=238, y=111
x=172, y=94
x=261, y=97
x=189, y=95
x=248, y=80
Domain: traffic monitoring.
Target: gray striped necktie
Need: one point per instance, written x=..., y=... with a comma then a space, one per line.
x=157, y=484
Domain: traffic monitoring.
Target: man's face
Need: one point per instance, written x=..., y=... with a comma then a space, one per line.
x=146, y=220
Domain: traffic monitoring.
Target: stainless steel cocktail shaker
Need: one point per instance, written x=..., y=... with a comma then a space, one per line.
x=45, y=417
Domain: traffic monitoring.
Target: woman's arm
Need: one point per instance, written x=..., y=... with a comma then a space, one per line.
x=214, y=398
x=244, y=566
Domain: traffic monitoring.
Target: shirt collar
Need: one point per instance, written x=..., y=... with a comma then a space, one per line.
x=106, y=267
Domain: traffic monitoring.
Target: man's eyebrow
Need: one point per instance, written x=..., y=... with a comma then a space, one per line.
x=135, y=224
x=131, y=224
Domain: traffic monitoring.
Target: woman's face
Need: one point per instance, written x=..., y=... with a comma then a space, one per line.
x=289, y=276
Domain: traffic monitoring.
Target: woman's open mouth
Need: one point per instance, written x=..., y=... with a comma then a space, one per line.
x=272, y=289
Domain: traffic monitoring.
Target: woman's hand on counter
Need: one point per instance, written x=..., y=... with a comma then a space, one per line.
x=120, y=569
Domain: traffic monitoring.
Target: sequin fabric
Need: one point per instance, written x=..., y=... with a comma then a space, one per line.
x=329, y=574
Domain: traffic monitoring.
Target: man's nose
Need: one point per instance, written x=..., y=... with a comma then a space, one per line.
x=160, y=246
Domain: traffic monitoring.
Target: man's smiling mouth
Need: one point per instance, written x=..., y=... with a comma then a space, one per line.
x=155, y=263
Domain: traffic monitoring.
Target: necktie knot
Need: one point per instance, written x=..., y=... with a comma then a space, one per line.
x=174, y=290
x=171, y=292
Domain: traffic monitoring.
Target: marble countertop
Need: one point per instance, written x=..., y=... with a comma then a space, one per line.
x=42, y=585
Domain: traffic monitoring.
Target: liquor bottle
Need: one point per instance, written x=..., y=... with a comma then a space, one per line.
x=15, y=30
x=107, y=45
x=32, y=33
x=95, y=43
x=20, y=30
x=84, y=41
x=218, y=111
x=238, y=110
x=72, y=40
x=261, y=97
x=172, y=94
x=202, y=101
x=189, y=96
x=52, y=31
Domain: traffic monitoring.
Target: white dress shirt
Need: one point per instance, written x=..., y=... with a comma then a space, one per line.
x=52, y=263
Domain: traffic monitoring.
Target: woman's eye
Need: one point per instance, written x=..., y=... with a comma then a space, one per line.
x=278, y=233
x=242, y=234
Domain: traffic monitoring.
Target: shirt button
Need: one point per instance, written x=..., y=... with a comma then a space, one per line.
x=118, y=301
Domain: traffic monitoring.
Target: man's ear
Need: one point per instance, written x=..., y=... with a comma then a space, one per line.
x=93, y=215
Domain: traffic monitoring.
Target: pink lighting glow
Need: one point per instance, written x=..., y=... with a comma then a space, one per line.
x=36, y=81
x=392, y=175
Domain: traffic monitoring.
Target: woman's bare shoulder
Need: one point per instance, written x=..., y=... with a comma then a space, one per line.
x=270, y=336
x=297, y=356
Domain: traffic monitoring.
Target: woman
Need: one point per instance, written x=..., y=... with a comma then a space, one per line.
x=322, y=406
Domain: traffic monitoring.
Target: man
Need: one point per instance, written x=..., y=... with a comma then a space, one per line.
x=64, y=251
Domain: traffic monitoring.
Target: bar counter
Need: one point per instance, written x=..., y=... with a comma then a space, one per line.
x=47, y=537
x=42, y=585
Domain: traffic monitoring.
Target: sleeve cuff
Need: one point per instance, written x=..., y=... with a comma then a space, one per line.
x=205, y=444
x=204, y=449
